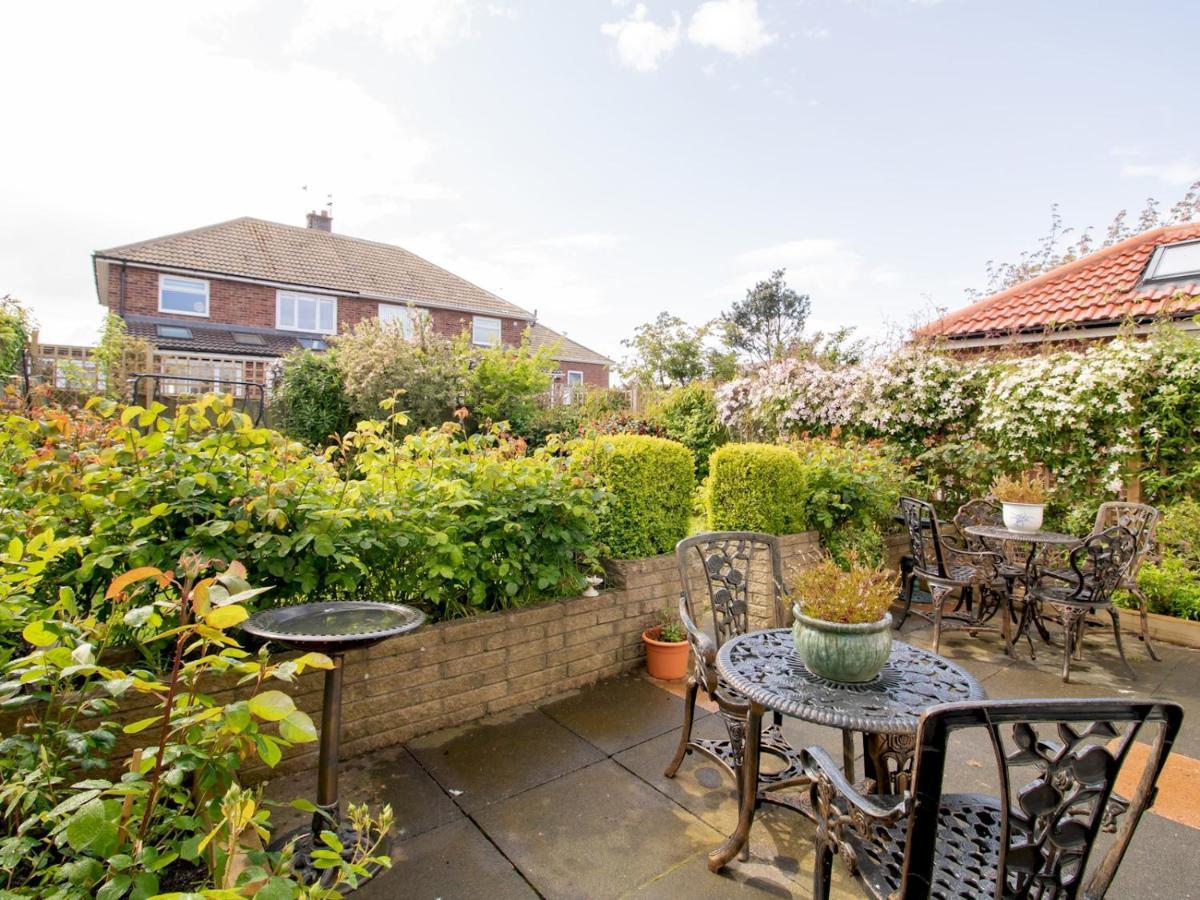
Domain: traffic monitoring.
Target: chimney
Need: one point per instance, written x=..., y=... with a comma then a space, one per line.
x=321, y=221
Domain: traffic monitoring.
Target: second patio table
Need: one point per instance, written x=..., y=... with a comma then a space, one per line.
x=1036, y=541
x=763, y=668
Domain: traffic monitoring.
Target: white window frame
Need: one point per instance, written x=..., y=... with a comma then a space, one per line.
x=571, y=372
x=399, y=312
x=1157, y=259
x=293, y=296
x=476, y=321
x=187, y=286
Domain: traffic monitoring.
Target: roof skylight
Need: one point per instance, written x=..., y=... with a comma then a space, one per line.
x=175, y=331
x=1174, y=261
x=250, y=340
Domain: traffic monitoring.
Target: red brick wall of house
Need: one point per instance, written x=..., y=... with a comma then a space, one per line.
x=239, y=303
x=593, y=373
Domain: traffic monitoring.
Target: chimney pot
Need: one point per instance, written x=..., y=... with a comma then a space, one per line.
x=321, y=221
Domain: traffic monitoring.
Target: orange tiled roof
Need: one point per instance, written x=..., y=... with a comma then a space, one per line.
x=1103, y=287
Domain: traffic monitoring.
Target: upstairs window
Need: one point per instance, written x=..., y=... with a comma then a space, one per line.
x=1174, y=261
x=485, y=332
x=306, y=312
x=402, y=315
x=182, y=296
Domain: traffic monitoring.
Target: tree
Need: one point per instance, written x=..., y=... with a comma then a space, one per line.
x=1060, y=246
x=769, y=323
x=666, y=352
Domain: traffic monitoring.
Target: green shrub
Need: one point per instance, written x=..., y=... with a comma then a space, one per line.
x=689, y=415
x=309, y=400
x=649, y=483
x=1172, y=588
x=505, y=384
x=755, y=487
x=851, y=492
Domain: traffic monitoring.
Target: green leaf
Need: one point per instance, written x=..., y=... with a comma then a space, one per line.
x=226, y=616
x=271, y=705
x=141, y=725
x=268, y=750
x=36, y=634
x=323, y=545
x=114, y=888
x=297, y=728
x=90, y=827
x=145, y=885
x=237, y=716
x=276, y=889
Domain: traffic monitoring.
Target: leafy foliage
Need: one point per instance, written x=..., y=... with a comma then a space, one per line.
x=177, y=812
x=118, y=356
x=1172, y=582
x=769, y=323
x=689, y=415
x=16, y=327
x=851, y=594
x=648, y=482
x=506, y=384
x=669, y=351
x=755, y=487
x=309, y=401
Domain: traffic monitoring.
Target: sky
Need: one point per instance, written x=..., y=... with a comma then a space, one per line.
x=598, y=161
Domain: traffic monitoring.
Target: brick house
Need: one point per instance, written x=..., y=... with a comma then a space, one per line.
x=1130, y=285
x=223, y=302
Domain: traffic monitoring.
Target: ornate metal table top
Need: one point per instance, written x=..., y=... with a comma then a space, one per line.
x=763, y=667
x=334, y=627
x=1000, y=533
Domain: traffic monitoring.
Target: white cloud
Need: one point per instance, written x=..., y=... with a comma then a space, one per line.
x=816, y=34
x=731, y=26
x=814, y=265
x=586, y=240
x=1179, y=172
x=212, y=137
x=418, y=27
x=641, y=43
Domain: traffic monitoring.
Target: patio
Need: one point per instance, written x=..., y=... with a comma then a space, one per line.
x=568, y=799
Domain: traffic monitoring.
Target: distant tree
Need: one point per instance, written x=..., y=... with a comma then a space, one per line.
x=834, y=348
x=1063, y=244
x=16, y=329
x=667, y=352
x=769, y=323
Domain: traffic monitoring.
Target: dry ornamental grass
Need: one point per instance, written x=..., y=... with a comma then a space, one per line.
x=854, y=596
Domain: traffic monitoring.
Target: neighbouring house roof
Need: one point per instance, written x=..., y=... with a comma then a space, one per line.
x=212, y=339
x=1103, y=288
x=568, y=350
x=310, y=257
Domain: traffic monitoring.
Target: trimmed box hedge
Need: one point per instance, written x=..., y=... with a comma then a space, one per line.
x=649, y=482
x=756, y=487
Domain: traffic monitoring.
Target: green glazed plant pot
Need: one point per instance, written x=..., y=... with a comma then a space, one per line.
x=847, y=653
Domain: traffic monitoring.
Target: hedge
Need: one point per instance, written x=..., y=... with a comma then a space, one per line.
x=649, y=484
x=755, y=487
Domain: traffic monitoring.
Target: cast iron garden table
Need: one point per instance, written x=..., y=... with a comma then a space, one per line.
x=332, y=629
x=1037, y=541
x=763, y=667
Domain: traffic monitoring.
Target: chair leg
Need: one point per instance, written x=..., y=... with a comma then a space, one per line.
x=1116, y=621
x=908, y=598
x=685, y=734
x=1142, y=603
x=822, y=871
x=1070, y=623
x=938, y=595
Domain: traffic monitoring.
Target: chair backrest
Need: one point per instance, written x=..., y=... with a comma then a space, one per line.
x=733, y=566
x=923, y=536
x=977, y=512
x=1102, y=562
x=1140, y=518
x=1072, y=752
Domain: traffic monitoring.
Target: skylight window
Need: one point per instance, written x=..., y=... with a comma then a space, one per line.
x=250, y=340
x=175, y=331
x=311, y=343
x=1174, y=261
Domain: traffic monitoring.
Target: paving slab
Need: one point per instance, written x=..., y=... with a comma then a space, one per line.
x=598, y=832
x=620, y=712
x=384, y=776
x=502, y=755
x=453, y=861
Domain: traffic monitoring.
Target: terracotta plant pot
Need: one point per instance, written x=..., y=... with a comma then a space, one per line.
x=1023, y=516
x=851, y=654
x=667, y=661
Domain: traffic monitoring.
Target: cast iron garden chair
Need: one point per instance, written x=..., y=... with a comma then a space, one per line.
x=1057, y=762
x=1142, y=520
x=945, y=569
x=736, y=568
x=1098, y=567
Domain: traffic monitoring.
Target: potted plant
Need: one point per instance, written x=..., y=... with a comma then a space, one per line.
x=666, y=648
x=843, y=628
x=1023, y=499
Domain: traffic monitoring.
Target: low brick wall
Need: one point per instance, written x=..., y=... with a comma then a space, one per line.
x=455, y=672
